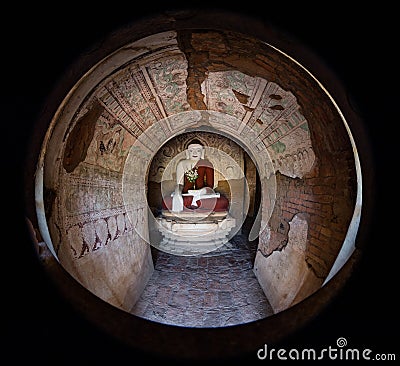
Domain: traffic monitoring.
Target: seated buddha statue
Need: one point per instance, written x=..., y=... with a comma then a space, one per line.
x=194, y=188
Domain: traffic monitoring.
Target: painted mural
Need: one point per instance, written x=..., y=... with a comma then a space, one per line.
x=145, y=104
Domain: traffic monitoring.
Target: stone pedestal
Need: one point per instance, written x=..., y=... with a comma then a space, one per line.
x=190, y=233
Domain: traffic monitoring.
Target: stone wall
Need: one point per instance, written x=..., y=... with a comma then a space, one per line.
x=101, y=143
x=308, y=144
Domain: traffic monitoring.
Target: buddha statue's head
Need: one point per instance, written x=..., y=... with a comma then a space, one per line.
x=195, y=150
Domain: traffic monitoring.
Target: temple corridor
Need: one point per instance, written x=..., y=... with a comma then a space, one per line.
x=276, y=138
x=215, y=289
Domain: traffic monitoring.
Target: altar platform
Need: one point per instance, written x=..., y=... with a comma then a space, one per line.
x=194, y=232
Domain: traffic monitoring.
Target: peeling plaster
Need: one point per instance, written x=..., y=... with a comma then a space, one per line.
x=283, y=273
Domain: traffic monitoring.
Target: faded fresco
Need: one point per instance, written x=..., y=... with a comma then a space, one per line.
x=125, y=125
x=138, y=105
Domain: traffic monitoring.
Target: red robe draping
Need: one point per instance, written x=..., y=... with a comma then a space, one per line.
x=205, y=171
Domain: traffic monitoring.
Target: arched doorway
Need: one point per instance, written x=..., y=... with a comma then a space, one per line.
x=93, y=120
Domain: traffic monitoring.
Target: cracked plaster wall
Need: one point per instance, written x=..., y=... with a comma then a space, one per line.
x=286, y=271
x=174, y=82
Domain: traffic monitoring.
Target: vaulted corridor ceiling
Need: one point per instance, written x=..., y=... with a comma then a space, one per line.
x=141, y=93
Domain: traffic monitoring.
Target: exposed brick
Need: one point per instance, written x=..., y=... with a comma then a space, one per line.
x=326, y=231
x=319, y=190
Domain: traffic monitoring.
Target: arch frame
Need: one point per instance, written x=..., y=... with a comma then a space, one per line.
x=164, y=338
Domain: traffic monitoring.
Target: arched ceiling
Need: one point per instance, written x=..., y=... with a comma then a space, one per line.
x=150, y=89
x=166, y=81
x=149, y=81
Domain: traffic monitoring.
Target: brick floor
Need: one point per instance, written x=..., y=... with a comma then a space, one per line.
x=212, y=290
